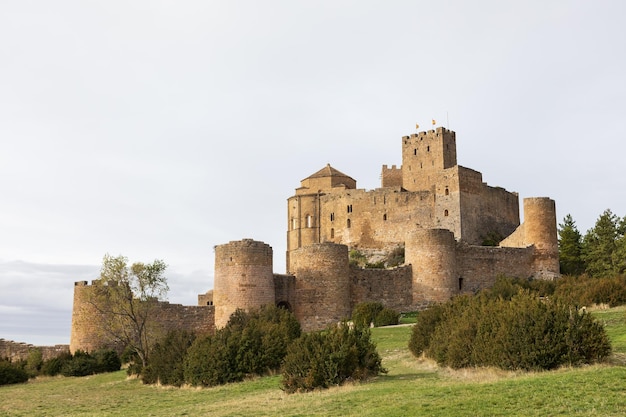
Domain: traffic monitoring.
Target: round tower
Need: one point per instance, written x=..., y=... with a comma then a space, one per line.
x=85, y=333
x=322, y=294
x=244, y=278
x=540, y=230
x=432, y=255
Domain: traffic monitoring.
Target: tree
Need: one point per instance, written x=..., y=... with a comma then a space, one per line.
x=600, y=246
x=127, y=299
x=570, y=247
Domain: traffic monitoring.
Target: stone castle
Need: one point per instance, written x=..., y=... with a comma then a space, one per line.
x=440, y=213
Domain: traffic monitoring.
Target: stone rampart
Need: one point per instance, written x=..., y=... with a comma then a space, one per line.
x=15, y=351
x=391, y=287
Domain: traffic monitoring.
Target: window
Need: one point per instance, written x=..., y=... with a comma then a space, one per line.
x=309, y=221
x=460, y=283
x=414, y=151
x=447, y=192
x=293, y=223
x=348, y=224
x=332, y=233
x=445, y=213
x=385, y=217
x=349, y=208
x=428, y=148
x=332, y=217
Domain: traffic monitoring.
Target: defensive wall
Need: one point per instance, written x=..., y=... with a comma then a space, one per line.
x=15, y=351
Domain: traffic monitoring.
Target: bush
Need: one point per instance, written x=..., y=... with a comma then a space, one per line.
x=424, y=328
x=524, y=332
x=107, y=360
x=365, y=314
x=53, y=366
x=324, y=359
x=11, y=373
x=386, y=317
x=166, y=359
x=252, y=343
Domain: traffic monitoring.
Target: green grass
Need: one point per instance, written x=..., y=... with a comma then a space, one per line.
x=412, y=387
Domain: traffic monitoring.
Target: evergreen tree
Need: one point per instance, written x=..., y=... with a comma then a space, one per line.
x=570, y=247
x=603, y=244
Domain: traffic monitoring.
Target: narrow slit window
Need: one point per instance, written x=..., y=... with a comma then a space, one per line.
x=348, y=224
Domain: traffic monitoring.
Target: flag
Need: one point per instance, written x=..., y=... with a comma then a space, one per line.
x=417, y=126
x=434, y=122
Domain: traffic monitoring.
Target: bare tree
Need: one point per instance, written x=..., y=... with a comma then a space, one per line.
x=127, y=300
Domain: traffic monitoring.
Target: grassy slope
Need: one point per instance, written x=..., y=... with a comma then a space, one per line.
x=412, y=387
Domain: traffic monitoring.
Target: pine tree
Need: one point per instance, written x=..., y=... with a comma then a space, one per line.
x=601, y=251
x=570, y=247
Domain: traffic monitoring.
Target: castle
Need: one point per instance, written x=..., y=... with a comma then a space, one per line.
x=440, y=213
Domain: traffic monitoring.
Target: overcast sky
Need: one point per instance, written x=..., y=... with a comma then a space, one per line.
x=158, y=130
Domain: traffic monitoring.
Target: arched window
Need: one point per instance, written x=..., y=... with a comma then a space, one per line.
x=332, y=233
x=445, y=213
x=385, y=217
x=447, y=191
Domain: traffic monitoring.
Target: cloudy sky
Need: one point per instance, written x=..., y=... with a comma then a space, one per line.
x=158, y=130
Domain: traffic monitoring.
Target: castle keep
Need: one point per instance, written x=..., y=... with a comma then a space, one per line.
x=438, y=212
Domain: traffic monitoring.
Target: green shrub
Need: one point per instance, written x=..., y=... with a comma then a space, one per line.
x=424, y=328
x=53, y=366
x=167, y=358
x=252, y=343
x=81, y=364
x=107, y=360
x=386, y=317
x=11, y=373
x=364, y=314
x=34, y=362
x=525, y=332
x=211, y=360
x=324, y=359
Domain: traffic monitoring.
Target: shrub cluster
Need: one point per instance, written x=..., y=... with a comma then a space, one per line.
x=324, y=359
x=375, y=313
x=585, y=290
x=522, y=331
x=252, y=343
x=82, y=363
x=12, y=373
x=167, y=357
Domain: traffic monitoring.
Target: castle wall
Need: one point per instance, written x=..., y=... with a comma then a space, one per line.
x=198, y=319
x=285, y=290
x=16, y=351
x=244, y=278
x=322, y=285
x=391, y=287
x=479, y=266
x=377, y=219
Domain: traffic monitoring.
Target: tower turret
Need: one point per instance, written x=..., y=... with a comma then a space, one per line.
x=244, y=278
x=432, y=255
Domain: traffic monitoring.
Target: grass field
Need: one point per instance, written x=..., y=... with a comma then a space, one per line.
x=411, y=388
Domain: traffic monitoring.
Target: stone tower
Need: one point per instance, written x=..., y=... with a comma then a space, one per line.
x=244, y=278
x=540, y=230
x=432, y=255
x=322, y=293
x=424, y=154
